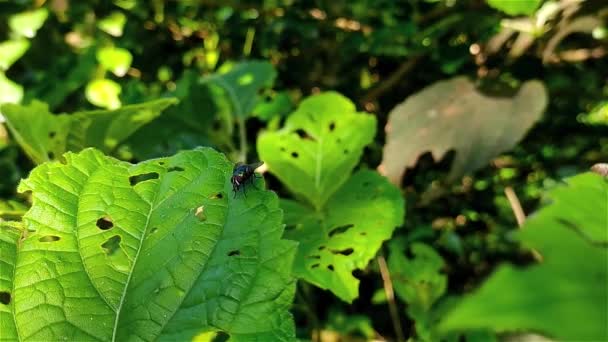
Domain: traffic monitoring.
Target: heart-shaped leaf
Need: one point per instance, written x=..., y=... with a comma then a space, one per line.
x=320, y=144
x=153, y=251
x=565, y=296
x=44, y=136
x=346, y=234
x=454, y=115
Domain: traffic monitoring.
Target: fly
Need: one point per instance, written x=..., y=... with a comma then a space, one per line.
x=242, y=174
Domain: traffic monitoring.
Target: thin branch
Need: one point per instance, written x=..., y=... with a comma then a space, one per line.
x=390, y=297
x=243, y=140
x=392, y=80
x=520, y=216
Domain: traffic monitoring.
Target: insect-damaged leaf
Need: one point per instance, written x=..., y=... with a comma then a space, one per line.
x=153, y=251
x=452, y=114
x=346, y=234
x=321, y=143
x=565, y=295
x=44, y=136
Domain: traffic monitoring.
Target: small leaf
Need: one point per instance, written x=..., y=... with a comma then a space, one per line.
x=10, y=92
x=11, y=51
x=321, y=143
x=113, y=24
x=346, y=234
x=103, y=93
x=452, y=114
x=45, y=136
x=159, y=272
x=417, y=281
x=565, y=295
x=515, y=7
x=114, y=59
x=27, y=24
x=242, y=83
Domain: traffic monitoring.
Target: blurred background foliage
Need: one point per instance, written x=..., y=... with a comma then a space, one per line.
x=87, y=54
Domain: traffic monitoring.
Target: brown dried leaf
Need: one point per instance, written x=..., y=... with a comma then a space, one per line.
x=452, y=114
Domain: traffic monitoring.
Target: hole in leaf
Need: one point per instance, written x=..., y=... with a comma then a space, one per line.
x=111, y=245
x=347, y=251
x=5, y=298
x=175, y=169
x=363, y=233
x=314, y=265
x=235, y=252
x=330, y=267
x=51, y=155
x=345, y=151
x=295, y=154
x=303, y=135
x=161, y=163
x=314, y=256
x=134, y=180
x=52, y=134
x=340, y=229
x=290, y=227
x=105, y=223
x=200, y=213
x=49, y=238
x=332, y=126
x=152, y=231
x=216, y=125
x=219, y=195
x=321, y=248
x=220, y=337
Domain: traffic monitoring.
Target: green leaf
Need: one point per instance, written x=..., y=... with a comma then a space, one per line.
x=418, y=281
x=515, y=7
x=242, y=83
x=565, y=295
x=153, y=251
x=346, y=234
x=103, y=93
x=10, y=92
x=321, y=143
x=453, y=115
x=9, y=238
x=27, y=24
x=117, y=60
x=113, y=24
x=44, y=136
x=202, y=117
x=11, y=51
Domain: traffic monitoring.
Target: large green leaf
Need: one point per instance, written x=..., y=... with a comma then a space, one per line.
x=346, y=234
x=9, y=238
x=565, y=295
x=154, y=251
x=453, y=114
x=44, y=136
x=321, y=143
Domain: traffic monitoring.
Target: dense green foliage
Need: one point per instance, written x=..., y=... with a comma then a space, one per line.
x=398, y=139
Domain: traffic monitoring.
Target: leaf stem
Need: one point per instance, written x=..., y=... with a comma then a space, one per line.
x=390, y=297
x=242, y=139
